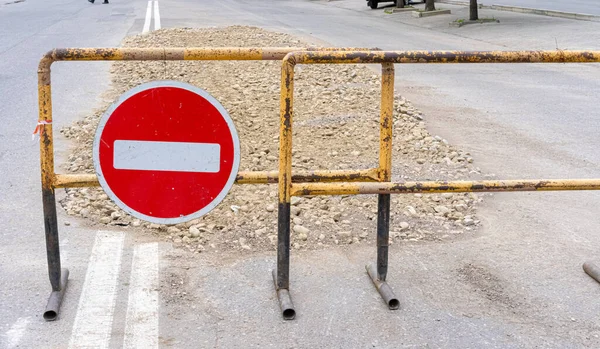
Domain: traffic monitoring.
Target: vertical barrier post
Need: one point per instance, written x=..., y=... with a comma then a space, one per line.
x=282, y=275
x=378, y=272
x=58, y=277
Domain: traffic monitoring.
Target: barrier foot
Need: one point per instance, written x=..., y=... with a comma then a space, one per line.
x=592, y=270
x=384, y=289
x=285, y=300
x=56, y=297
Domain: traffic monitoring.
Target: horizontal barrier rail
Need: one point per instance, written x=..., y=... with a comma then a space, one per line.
x=302, y=189
x=344, y=57
x=243, y=177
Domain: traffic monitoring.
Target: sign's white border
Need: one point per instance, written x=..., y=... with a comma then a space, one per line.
x=211, y=100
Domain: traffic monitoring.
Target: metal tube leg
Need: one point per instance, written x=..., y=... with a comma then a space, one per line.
x=383, y=234
x=58, y=277
x=281, y=277
x=592, y=270
x=378, y=272
x=283, y=246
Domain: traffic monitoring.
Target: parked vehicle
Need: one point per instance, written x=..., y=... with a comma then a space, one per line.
x=373, y=3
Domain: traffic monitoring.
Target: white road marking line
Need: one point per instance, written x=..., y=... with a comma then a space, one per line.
x=93, y=322
x=156, y=16
x=148, y=17
x=141, y=326
x=16, y=331
x=167, y=156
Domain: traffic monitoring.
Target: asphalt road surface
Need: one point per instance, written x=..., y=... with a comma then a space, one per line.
x=519, y=121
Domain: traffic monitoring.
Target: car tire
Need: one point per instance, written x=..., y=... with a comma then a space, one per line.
x=373, y=4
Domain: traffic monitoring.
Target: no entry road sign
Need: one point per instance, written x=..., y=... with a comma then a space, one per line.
x=166, y=152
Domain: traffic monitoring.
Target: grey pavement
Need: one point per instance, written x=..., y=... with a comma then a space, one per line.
x=518, y=283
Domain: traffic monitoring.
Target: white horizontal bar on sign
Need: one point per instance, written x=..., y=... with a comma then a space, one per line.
x=167, y=156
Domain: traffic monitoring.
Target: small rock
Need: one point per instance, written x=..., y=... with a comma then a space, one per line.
x=404, y=226
x=67, y=224
x=345, y=222
x=420, y=161
x=300, y=229
x=344, y=234
x=441, y=209
x=411, y=210
x=192, y=222
x=364, y=234
x=105, y=220
x=303, y=236
x=460, y=207
x=136, y=223
x=296, y=210
x=173, y=230
x=270, y=208
x=296, y=245
x=115, y=215
x=468, y=221
x=295, y=200
x=297, y=220
x=201, y=248
x=337, y=217
x=235, y=208
x=260, y=232
x=447, y=195
x=242, y=241
x=194, y=232
x=355, y=153
x=321, y=237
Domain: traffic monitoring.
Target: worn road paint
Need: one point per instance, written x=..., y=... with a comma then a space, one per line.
x=167, y=156
x=93, y=322
x=15, y=333
x=141, y=326
x=148, y=18
x=156, y=16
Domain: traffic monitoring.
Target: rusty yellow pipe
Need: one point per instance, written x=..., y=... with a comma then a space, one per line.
x=244, y=177
x=286, y=110
x=386, y=122
x=44, y=126
x=300, y=189
x=180, y=53
x=558, y=56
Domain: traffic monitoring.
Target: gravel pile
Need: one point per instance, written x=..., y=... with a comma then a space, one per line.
x=336, y=127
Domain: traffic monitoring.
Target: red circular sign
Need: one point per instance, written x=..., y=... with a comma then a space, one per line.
x=166, y=152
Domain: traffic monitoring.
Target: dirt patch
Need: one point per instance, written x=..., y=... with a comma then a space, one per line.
x=336, y=127
x=488, y=285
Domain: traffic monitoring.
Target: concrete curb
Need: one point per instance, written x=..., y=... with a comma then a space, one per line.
x=419, y=14
x=551, y=13
x=528, y=10
x=400, y=10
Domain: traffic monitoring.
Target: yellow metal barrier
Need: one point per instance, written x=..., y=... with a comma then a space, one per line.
x=367, y=181
x=288, y=187
x=52, y=180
